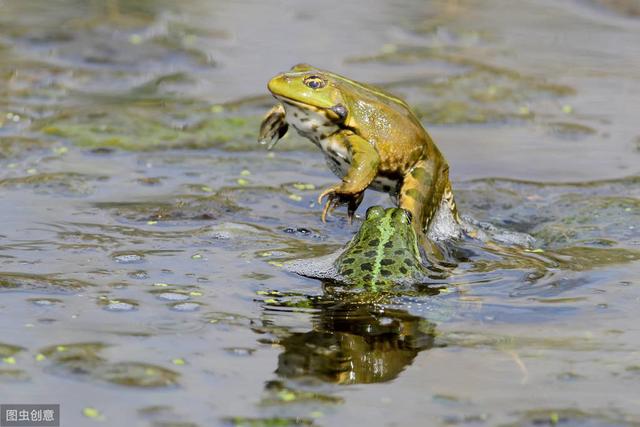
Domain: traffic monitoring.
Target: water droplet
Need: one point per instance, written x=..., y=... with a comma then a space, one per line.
x=115, y=305
x=140, y=274
x=45, y=302
x=186, y=306
x=128, y=258
x=173, y=296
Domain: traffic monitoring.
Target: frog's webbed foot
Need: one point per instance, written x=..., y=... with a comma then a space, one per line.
x=273, y=127
x=336, y=197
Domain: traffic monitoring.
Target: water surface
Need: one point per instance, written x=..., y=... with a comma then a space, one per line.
x=144, y=230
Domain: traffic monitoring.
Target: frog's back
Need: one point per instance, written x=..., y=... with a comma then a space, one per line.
x=372, y=102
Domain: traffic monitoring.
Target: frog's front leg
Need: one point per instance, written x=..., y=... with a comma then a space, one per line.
x=363, y=169
x=422, y=190
x=273, y=127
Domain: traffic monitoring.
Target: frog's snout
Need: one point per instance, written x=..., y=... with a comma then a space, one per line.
x=277, y=81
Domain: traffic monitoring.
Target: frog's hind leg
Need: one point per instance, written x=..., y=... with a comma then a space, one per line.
x=450, y=201
x=422, y=190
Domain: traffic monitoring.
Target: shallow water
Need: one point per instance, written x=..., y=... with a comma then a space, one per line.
x=144, y=230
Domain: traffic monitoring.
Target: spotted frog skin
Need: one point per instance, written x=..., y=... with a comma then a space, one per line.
x=383, y=253
x=370, y=139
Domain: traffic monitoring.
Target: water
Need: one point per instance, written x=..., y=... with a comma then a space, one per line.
x=144, y=229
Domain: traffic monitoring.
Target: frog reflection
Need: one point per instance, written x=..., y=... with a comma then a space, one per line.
x=355, y=343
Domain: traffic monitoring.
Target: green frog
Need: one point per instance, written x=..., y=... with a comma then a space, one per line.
x=384, y=252
x=370, y=139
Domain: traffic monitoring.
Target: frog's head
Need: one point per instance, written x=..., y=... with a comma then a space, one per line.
x=310, y=88
x=383, y=252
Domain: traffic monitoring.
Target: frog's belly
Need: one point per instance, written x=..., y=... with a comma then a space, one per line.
x=337, y=157
x=386, y=185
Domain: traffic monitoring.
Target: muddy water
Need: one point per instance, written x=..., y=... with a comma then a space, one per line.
x=143, y=230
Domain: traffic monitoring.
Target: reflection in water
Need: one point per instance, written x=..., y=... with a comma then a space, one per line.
x=356, y=338
x=355, y=343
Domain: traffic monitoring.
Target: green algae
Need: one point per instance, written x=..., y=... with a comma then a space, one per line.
x=93, y=413
x=164, y=416
x=177, y=208
x=15, y=147
x=277, y=393
x=474, y=71
x=584, y=218
x=571, y=416
x=65, y=183
x=84, y=359
x=267, y=422
x=137, y=374
x=456, y=112
x=71, y=353
x=13, y=375
x=139, y=133
x=574, y=258
x=40, y=283
x=117, y=304
x=227, y=319
x=480, y=93
x=570, y=130
x=8, y=350
x=580, y=258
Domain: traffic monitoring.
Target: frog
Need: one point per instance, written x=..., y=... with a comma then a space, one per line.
x=370, y=139
x=383, y=254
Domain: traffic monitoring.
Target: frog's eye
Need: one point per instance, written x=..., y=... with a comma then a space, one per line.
x=402, y=215
x=375, y=212
x=315, y=82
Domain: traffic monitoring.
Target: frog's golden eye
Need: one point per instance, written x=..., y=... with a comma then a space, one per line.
x=315, y=82
x=402, y=215
x=375, y=212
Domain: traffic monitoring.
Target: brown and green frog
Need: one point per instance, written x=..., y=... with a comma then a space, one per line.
x=371, y=139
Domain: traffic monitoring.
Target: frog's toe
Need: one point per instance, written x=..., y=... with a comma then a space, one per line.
x=353, y=204
x=333, y=200
x=329, y=192
x=336, y=198
x=332, y=203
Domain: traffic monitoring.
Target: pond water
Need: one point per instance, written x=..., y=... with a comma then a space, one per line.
x=143, y=229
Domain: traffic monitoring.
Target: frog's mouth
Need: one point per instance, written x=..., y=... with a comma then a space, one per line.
x=298, y=104
x=336, y=113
